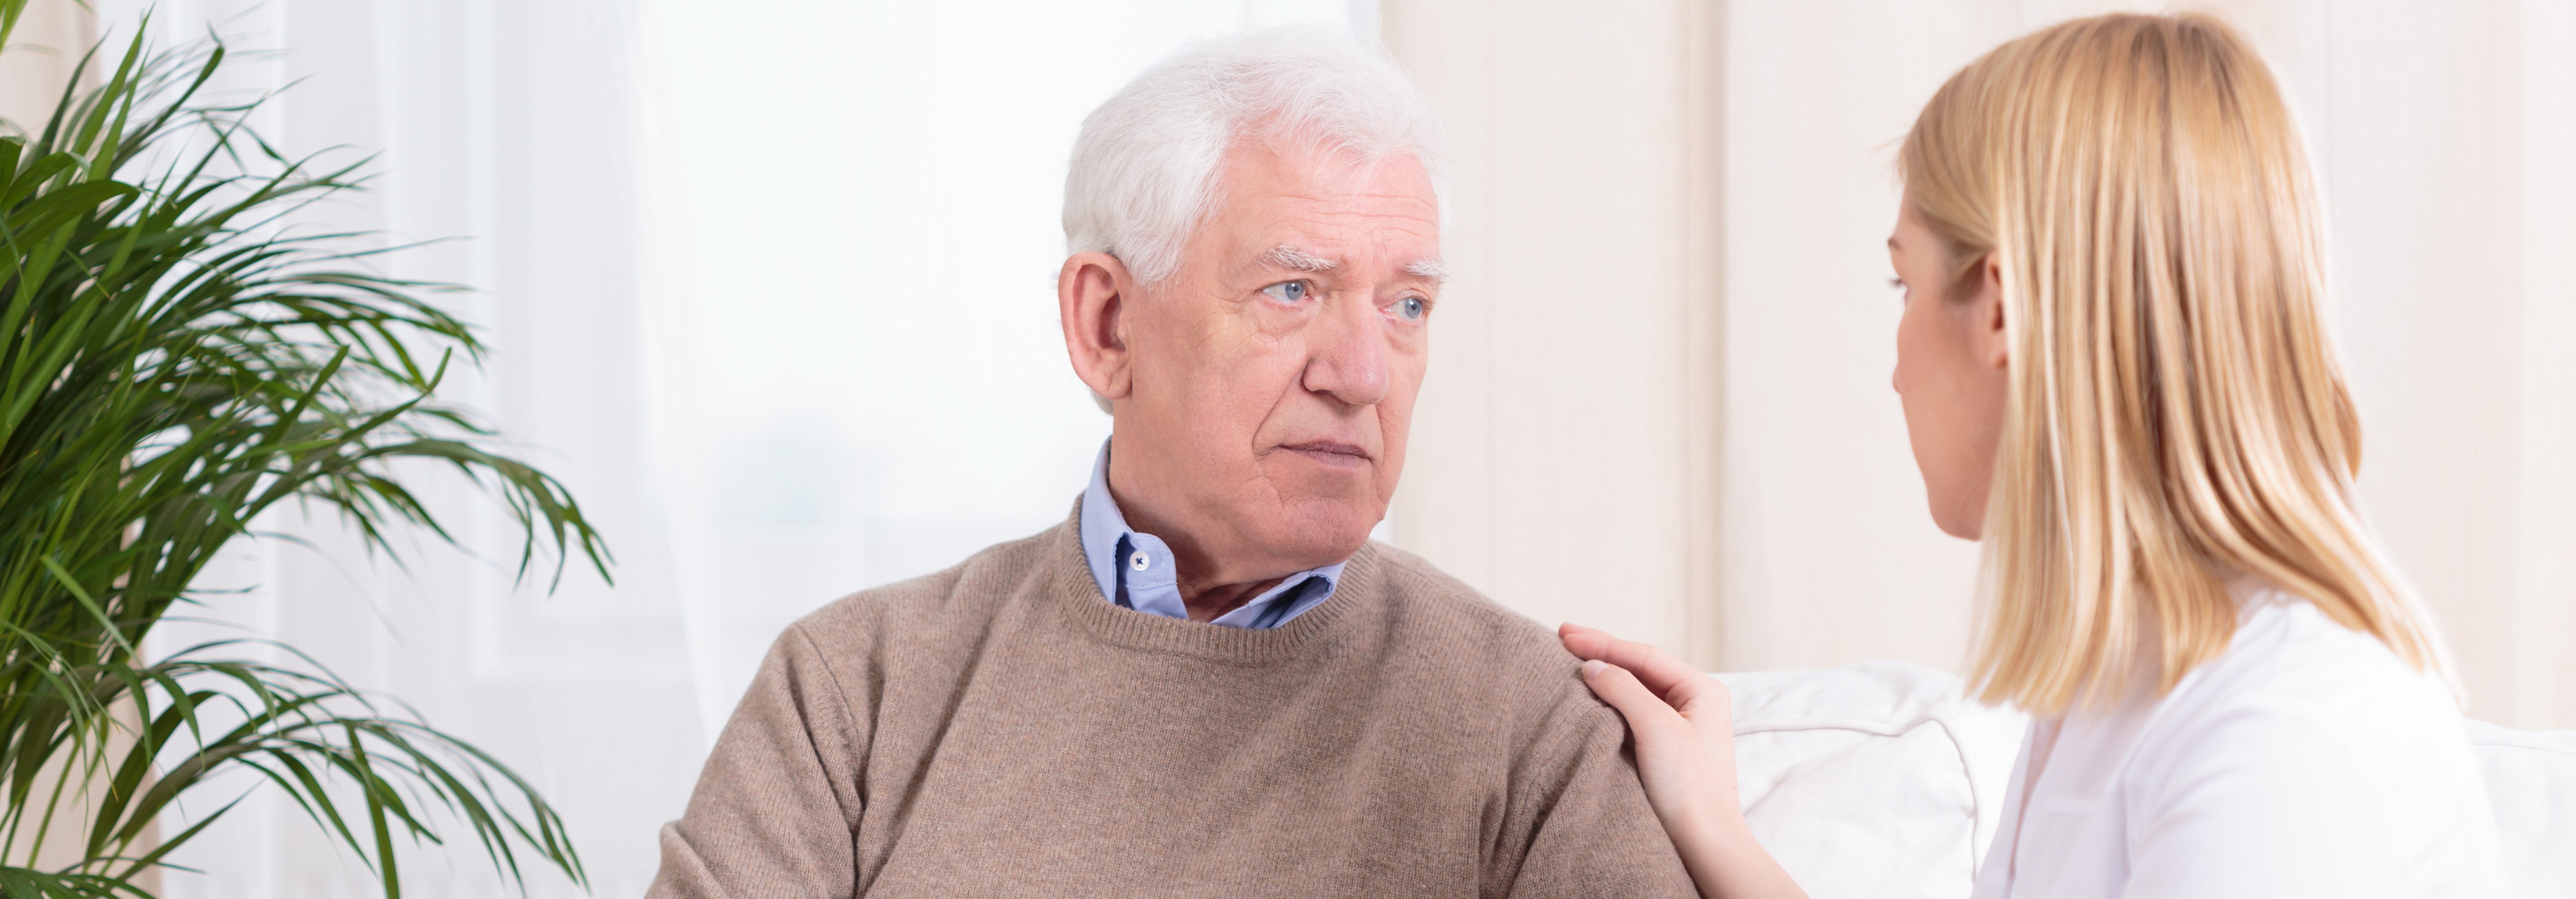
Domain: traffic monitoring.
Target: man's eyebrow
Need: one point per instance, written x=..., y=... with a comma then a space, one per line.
x=1288, y=257
x=1427, y=268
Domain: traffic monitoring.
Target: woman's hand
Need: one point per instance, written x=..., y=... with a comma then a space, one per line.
x=1681, y=720
x=1683, y=724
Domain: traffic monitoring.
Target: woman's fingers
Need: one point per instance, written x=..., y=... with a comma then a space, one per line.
x=1680, y=685
x=1685, y=747
x=1651, y=663
x=1585, y=643
x=1647, y=713
x=1687, y=776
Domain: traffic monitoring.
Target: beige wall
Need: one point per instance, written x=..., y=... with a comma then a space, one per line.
x=1659, y=400
x=1564, y=458
x=50, y=37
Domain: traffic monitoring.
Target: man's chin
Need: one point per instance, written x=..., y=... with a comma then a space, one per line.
x=1306, y=478
x=1322, y=531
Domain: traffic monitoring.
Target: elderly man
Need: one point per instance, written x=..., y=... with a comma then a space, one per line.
x=1206, y=681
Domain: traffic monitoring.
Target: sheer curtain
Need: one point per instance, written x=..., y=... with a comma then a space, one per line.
x=770, y=288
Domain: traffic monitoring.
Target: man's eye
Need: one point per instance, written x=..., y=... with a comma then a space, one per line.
x=1289, y=292
x=1410, y=309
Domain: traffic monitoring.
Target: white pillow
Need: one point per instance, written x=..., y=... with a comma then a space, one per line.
x=2531, y=780
x=1871, y=780
x=1879, y=779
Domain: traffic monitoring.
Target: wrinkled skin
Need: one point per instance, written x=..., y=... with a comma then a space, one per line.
x=1260, y=396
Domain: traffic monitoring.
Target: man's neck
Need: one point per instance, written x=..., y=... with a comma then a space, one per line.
x=1208, y=587
x=1207, y=597
x=1211, y=601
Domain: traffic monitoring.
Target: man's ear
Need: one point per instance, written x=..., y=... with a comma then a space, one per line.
x=1091, y=294
x=1990, y=313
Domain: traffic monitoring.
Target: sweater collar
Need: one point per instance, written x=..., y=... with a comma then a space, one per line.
x=1069, y=583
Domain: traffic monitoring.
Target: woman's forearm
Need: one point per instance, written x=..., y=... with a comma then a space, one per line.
x=1725, y=862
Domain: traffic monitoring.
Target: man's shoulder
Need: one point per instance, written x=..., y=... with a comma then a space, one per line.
x=1417, y=587
x=1463, y=651
x=1473, y=633
x=970, y=590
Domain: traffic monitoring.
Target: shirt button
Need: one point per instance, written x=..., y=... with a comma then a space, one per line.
x=1139, y=562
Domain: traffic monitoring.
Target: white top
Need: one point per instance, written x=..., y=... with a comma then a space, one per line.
x=2306, y=760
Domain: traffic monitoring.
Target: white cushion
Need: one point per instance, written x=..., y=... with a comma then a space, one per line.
x=1879, y=779
x=1872, y=780
x=2531, y=780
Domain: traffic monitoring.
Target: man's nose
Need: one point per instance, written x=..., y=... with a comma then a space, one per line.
x=1347, y=353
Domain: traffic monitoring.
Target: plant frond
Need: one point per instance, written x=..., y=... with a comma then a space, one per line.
x=176, y=359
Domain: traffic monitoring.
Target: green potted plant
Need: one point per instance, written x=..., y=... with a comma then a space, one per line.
x=172, y=363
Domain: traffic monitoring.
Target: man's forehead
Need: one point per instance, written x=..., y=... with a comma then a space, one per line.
x=1318, y=209
x=1322, y=166
x=1322, y=183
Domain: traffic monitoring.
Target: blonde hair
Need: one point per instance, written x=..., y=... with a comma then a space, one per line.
x=2177, y=420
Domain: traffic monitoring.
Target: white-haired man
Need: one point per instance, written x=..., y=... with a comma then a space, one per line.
x=1206, y=681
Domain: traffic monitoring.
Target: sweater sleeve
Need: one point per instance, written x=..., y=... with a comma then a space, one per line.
x=1577, y=822
x=775, y=808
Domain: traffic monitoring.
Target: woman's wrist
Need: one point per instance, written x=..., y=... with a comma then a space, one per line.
x=1726, y=862
x=1710, y=827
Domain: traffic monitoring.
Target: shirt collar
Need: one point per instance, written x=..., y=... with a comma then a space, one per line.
x=1114, y=550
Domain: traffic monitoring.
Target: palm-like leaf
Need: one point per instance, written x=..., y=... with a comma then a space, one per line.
x=174, y=364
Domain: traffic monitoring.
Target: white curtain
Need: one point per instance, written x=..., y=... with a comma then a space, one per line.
x=770, y=287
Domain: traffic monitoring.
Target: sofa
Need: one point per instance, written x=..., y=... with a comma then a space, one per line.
x=1882, y=780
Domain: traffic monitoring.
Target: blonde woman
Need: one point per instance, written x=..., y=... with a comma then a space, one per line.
x=2115, y=374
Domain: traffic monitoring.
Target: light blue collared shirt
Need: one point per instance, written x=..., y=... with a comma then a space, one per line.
x=1135, y=569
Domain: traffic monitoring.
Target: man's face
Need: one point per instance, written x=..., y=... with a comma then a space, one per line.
x=1273, y=374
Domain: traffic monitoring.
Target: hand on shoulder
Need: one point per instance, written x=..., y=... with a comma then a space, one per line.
x=1682, y=722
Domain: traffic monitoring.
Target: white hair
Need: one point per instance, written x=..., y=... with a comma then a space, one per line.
x=1144, y=174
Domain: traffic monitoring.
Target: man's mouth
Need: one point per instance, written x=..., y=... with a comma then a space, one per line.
x=1330, y=452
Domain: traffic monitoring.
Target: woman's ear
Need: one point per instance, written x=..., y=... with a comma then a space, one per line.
x=1996, y=341
x=1091, y=294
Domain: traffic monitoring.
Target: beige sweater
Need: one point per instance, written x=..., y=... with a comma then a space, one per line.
x=999, y=729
